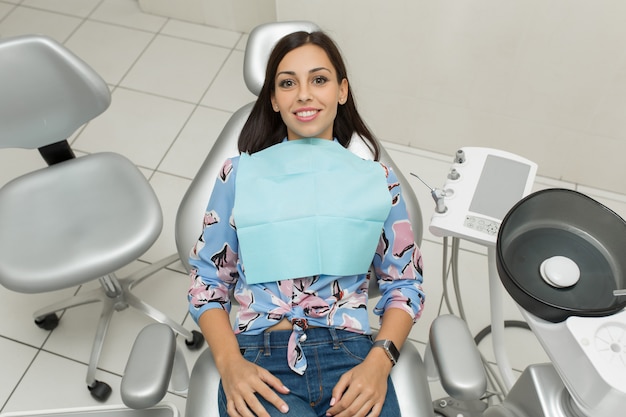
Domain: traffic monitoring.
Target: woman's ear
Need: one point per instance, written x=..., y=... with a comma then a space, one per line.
x=343, y=91
x=274, y=104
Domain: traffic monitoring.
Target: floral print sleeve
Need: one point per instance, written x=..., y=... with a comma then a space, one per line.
x=398, y=261
x=214, y=257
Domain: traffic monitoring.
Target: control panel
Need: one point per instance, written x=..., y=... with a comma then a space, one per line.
x=482, y=185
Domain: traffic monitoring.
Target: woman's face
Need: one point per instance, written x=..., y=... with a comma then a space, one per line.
x=307, y=93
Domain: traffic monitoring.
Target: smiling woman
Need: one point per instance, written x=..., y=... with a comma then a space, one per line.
x=305, y=74
x=294, y=226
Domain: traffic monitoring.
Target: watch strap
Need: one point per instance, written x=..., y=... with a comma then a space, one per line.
x=390, y=349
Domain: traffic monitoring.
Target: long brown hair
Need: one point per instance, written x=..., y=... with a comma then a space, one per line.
x=265, y=127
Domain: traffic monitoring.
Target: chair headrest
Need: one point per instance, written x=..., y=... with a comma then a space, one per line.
x=260, y=45
x=46, y=92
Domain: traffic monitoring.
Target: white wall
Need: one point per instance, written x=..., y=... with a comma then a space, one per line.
x=542, y=78
x=239, y=15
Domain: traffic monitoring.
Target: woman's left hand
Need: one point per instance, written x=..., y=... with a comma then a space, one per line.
x=362, y=390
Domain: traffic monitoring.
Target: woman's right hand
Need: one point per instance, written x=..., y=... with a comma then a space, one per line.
x=242, y=380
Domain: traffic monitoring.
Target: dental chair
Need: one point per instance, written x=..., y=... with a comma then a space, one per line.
x=408, y=375
x=79, y=219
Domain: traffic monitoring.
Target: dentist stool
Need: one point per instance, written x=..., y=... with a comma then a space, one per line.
x=78, y=219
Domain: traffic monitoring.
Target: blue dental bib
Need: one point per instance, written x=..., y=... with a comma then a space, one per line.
x=308, y=207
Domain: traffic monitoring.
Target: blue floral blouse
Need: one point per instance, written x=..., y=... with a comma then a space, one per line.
x=323, y=301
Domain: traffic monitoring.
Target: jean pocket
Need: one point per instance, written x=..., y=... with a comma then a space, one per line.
x=251, y=354
x=356, y=348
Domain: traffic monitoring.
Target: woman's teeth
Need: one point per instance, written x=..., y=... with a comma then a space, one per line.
x=307, y=113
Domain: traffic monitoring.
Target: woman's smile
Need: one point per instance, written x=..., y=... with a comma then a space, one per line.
x=307, y=114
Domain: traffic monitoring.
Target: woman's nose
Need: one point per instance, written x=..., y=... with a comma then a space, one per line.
x=304, y=93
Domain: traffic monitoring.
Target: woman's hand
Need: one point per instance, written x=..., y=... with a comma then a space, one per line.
x=241, y=380
x=362, y=390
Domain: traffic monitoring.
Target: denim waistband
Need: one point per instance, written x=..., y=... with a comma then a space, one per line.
x=314, y=335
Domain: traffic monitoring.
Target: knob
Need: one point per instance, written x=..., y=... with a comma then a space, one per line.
x=459, y=157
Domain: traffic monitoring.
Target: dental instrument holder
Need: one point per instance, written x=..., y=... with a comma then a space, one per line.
x=438, y=195
x=481, y=186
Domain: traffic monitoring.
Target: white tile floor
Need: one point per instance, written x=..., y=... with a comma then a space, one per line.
x=174, y=86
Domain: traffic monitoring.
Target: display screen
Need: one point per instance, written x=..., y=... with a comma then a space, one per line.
x=500, y=186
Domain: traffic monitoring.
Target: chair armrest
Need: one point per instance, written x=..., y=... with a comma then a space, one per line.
x=203, y=386
x=410, y=383
x=457, y=358
x=150, y=365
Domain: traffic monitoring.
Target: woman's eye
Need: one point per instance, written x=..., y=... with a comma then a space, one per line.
x=319, y=79
x=286, y=83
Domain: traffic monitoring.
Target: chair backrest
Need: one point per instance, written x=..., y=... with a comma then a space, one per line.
x=191, y=210
x=54, y=94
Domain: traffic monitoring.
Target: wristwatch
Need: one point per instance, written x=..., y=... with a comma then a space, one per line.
x=390, y=349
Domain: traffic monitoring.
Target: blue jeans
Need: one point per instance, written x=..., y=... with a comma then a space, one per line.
x=329, y=352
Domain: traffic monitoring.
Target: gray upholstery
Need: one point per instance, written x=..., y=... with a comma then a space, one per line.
x=79, y=219
x=409, y=375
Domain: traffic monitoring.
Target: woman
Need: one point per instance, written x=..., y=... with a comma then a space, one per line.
x=292, y=227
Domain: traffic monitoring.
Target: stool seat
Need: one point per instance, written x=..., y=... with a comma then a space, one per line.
x=59, y=229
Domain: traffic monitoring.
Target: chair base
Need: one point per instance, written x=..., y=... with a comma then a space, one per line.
x=115, y=294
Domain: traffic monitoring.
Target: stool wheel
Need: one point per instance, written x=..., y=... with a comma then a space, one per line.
x=196, y=342
x=49, y=322
x=100, y=390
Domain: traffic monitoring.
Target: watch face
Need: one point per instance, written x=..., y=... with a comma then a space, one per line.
x=390, y=349
x=393, y=350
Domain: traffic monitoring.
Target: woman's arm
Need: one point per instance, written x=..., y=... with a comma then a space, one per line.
x=398, y=260
x=214, y=257
x=398, y=267
x=214, y=274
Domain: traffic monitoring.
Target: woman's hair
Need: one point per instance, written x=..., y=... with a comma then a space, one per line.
x=265, y=127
